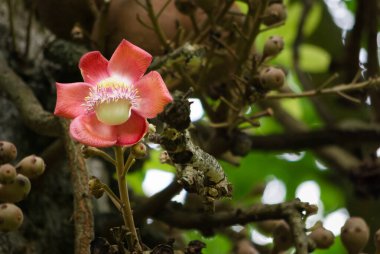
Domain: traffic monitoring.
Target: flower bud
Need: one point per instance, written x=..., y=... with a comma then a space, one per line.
x=139, y=150
x=322, y=238
x=11, y=217
x=7, y=173
x=16, y=191
x=274, y=13
x=31, y=166
x=95, y=187
x=187, y=7
x=272, y=78
x=8, y=152
x=273, y=46
x=355, y=234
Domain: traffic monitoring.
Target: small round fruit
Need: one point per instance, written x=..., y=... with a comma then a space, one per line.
x=355, y=234
x=273, y=46
x=7, y=173
x=8, y=152
x=272, y=78
x=274, y=13
x=15, y=191
x=139, y=150
x=282, y=238
x=322, y=238
x=31, y=166
x=11, y=217
x=241, y=144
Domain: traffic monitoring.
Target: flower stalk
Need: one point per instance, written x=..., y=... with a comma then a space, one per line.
x=124, y=197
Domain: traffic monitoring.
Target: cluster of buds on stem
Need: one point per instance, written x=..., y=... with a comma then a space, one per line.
x=15, y=184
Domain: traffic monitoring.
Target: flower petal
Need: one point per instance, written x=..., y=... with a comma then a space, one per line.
x=93, y=67
x=87, y=130
x=70, y=98
x=129, y=62
x=132, y=131
x=153, y=95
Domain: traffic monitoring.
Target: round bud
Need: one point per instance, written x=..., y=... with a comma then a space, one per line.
x=7, y=173
x=355, y=234
x=273, y=46
x=274, y=13
x=187, y=7
x=31, y=166
x=16, y=191
x=139, y=150
x=11, y=217
x=8, y=152
x=282, y=238
x=95, y=187
x=272, y=78
x=241, y=144
x=322, y=238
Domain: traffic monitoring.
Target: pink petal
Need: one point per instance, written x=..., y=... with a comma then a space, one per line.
x=132, y=131
x=93, y=67
x=153, y=95
x=87, y=130
x=70, y=98
x=129, y=62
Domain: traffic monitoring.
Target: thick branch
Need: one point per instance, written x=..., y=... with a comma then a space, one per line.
x=83, y=216
x=207, y=223
x=317, y=139
x=31, y=111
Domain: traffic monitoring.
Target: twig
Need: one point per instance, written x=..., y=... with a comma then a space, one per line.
x=336, y=89
x=278, y=24
x=163, y=9
x=89, y=151
x=156, y=26
x=138, y=18
x=30, y=109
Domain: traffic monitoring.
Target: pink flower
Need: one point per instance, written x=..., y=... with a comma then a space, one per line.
x=111, y=106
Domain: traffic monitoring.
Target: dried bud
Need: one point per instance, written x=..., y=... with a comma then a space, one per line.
x=187, y=7
x=8, y=152
x=282, y=238
x=322, y=238
x=11, y=217
x=355, y=234
x=273, y=46
x=7, y=173
x=139, y=150
x=241, y=144
x=272, y=78
x=31, y=166
x=16, y=191
x=274, y=13
x=95, y=187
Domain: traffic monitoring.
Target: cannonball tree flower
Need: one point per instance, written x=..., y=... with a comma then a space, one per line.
x=112, y=104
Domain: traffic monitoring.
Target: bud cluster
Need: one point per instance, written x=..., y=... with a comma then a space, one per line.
x=15, y=184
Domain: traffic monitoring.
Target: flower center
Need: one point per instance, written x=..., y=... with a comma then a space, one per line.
x=112, y=100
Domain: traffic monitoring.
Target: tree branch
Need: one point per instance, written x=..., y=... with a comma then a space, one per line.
x=30, y=109
x=317, y=139
x=83, y=217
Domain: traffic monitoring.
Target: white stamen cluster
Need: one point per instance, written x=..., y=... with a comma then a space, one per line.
x=110, y=93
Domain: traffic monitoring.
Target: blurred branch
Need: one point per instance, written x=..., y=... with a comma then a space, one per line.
x=336, y=89
x=337, y=157
x=31, y=111
x=292, y=212
x=156, y=202
x=317, y=139
x=83, y=217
